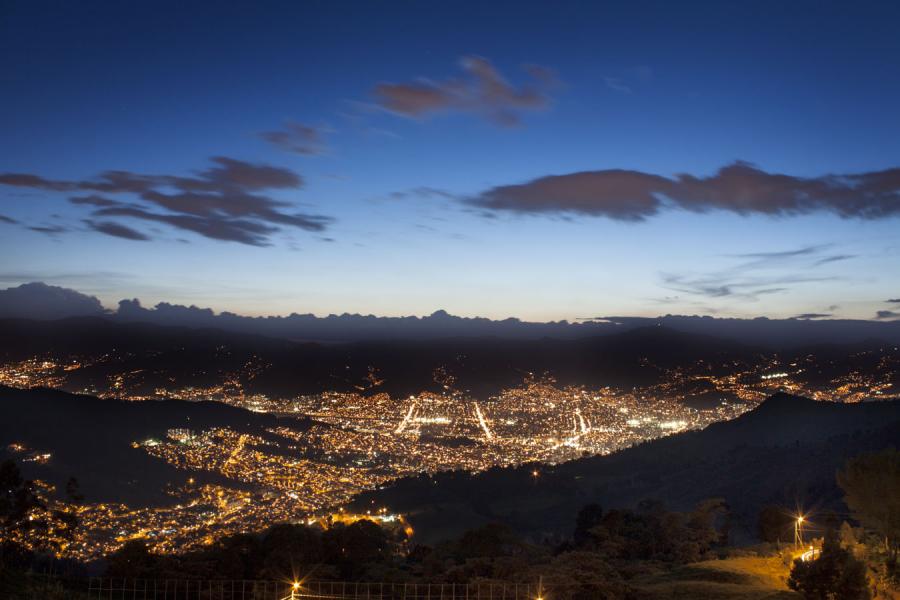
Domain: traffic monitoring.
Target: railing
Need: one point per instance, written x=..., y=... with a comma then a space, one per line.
x=157, y=589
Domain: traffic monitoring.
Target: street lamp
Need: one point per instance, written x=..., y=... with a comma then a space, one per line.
x=798, y=530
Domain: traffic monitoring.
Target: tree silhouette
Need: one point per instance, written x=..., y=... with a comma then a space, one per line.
x=834, y=575
x=775, y=524
x=871, y=484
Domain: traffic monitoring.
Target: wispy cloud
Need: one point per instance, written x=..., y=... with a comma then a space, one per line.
x=734, y=285
x=116, y=230
x=834, y=258
x=49, y=229
x=424, y=192
x=298, y=138
x=228, y=201
x=483, y=90
x=617, y=85
x=757, y=274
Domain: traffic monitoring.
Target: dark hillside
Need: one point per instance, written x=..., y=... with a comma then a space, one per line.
x=784, y=452
x=91, y=438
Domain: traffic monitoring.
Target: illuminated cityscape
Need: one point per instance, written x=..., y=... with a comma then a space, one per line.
x=356, y=442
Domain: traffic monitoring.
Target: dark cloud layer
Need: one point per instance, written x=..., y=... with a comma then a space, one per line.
x=483, y=91
x=809, y=316
x=740, y=188
x=227, y=201
x=41, y=301
x=297, y=138
x=883, y=315
x=8, y=220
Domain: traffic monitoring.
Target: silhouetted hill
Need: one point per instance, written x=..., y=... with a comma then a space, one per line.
x=790, y=334
x=160, y=355
x=91, y=439
x=785, y=452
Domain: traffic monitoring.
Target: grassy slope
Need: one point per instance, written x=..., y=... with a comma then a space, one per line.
x=729, y=579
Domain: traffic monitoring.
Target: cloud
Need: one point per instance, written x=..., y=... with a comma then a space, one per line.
x=229, y=201
x=249, y=232
x=833, y=259
x=297, y=138
x=93, y=200
x=778, y=258
x=42, y=301
x=734, y=284
x=739, y=188
x=617, y=85
x=8, y=220
x=893, y=300
x=424, y=192
x=883, y=315
x=758, y=274
x=617, y=194
x=483, y=90
x=780, y=254
x=811, y=316
x=34, y=181
x=115, y=230
x=48, y=229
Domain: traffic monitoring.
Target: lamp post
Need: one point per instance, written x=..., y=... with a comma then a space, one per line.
x=798, y=531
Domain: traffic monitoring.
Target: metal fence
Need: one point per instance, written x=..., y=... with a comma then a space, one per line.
x=152, y=589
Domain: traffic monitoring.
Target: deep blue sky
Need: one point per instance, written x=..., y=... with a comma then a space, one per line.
x=804, y=89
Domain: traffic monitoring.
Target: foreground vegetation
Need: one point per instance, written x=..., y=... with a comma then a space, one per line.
x=647, y=552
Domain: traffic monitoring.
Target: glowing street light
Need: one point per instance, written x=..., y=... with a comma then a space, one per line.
x=295, y=591
x=798, y=530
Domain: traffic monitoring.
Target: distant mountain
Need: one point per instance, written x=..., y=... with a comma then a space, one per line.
x=775, y=333
x=91, y=439
x=42, y=302
x=159, y=356
x=785, y=452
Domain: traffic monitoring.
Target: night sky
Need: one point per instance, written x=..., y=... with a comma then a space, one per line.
x=538, y=160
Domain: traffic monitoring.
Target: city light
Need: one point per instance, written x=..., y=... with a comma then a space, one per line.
x=362, y=442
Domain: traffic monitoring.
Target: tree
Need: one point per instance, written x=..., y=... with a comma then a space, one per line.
x=871, y=484
x=17, y=501
x=775, y=525
x=353, y=548
x=491, y=540
x=588, y=518
x=134, y=561
x=581, y=575
x=835, y=575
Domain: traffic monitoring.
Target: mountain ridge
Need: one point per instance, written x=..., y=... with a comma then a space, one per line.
x=41, y=301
